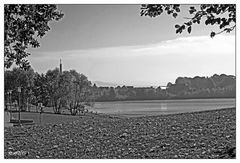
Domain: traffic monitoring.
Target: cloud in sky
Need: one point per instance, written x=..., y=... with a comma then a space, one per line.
x=197, y=44
x=152, y=64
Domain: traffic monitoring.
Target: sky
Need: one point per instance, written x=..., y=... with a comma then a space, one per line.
x=113, y=43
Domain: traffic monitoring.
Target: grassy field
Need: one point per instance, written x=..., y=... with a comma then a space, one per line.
x=206, y=134
x=45, y=118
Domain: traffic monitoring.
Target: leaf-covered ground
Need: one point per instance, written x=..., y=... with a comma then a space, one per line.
x=207, y=134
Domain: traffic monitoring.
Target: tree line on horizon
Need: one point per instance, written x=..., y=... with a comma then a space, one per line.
x=216, y=86
x=73, y=91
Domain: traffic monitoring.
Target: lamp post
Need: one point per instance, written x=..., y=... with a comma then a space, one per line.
x=10, y=103
x=19, y=92
x=10, y=98
x=75, y=96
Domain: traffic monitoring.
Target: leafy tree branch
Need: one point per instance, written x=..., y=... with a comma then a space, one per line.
x=223, y=15
x=23, y=24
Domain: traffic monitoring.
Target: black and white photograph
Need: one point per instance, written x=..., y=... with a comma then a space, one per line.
x=119, y=81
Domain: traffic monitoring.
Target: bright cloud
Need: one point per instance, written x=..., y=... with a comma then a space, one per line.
x=198, y=44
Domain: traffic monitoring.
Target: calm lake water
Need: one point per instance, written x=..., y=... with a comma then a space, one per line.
x=156, y=107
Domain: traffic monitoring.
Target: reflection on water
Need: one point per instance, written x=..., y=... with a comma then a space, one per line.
x=163, y=106
x=151, y=107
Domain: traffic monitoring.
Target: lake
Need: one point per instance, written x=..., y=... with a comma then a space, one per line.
x=156, y=107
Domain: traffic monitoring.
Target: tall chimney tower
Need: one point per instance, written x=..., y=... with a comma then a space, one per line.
x=60, y=66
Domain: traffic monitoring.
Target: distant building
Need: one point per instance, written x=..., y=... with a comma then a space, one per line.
x=60, y=67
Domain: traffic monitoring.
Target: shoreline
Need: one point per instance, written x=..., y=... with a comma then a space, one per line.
x=204, y=134
x=170, y=99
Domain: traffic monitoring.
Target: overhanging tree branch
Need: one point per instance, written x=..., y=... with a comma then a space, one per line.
x=223, y=15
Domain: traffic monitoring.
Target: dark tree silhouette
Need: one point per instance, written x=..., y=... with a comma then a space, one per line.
x=23, y=24
x=224, y=15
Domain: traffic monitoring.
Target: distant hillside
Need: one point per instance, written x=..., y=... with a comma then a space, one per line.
x=105, y=84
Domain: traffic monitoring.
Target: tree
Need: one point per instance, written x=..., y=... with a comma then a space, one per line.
x=19, y=78
x=23, y=24
x=68, y=89
x=64, y=90
x=53, y=89
x=81, y=93
x=40, y=89
x=223, y=15
x=112, y=94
